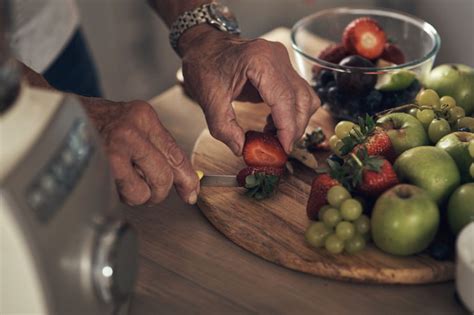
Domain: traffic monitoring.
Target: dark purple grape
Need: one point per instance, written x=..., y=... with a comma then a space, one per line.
x=325, y=76
x=334, y=96
x=464, y=129
x=356, y=82
x=323, y=94
x=372, y=102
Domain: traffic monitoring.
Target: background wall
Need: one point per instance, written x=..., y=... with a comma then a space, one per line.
x=130, y=44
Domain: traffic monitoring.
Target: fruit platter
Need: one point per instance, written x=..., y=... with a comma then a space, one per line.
x=374, y=192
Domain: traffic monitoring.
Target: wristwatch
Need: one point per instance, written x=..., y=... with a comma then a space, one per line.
x=213, y=13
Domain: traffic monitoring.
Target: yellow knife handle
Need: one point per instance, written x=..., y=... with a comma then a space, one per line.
x=200, y=174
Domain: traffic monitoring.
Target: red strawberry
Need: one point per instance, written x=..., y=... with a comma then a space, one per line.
x=379, y=144
x=251, y=170
x=263, y=149
x=317, y=197
x=372, y=175
x=333, y=53
x=393, y=53
x=364, y=37
x=374, y=139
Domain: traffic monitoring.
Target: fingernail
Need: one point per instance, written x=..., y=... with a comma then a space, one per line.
x=192, y=198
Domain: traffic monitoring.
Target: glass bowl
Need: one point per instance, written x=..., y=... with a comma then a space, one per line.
x=418, y=40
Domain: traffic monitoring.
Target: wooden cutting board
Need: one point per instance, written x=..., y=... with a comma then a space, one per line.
x=274, y=228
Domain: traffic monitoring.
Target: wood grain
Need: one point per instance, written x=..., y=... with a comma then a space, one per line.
x=274, y=228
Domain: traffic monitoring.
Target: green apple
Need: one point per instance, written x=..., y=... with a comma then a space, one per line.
x=430, y=168
x=461, y=207
x=457, y=145
x=455, y=80
x=404, y=220
x=404, y=130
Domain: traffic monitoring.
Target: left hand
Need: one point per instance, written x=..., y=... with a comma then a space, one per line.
x=219, y=68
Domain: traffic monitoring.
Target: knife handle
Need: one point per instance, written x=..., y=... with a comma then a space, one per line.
x=200, y=174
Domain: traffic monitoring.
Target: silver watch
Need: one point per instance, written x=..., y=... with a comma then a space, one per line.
x=213, y=13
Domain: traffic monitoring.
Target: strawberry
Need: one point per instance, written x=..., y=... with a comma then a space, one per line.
x=261, y=181
x=263, y=149
x=371, y=175
x=333, y=53
x=374, y=139
x=251, y=170
x=314, y=141
x=379, y=144
x=317, y=197
x=393, y=53
x=364, y=37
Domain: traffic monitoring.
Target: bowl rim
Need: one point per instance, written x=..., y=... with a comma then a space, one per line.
x=425, y=26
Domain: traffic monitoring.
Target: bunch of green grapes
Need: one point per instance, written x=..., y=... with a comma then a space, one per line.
x=341, y=225
x=440, y=116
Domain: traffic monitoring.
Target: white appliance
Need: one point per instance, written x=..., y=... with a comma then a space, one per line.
x=64, y=247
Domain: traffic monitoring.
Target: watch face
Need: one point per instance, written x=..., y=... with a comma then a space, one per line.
x=223, y=15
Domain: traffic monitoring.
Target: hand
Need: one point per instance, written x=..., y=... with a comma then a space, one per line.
x=145, y=159
x=219, y=68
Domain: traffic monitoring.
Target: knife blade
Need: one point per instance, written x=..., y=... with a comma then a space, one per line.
x=219, y=181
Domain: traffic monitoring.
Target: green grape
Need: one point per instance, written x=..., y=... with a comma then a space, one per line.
x=455, y=113
x=336, y=195
x=413, y=111
x=428, y=97
x=316, y=234
x=471, y=170
x=351, y=209
x=362, y=224
x=471, y=148
x=335, y=144
x=343, y=128
x=331, y=217
x=322, y=210
x=465, y=122
x=438, y=129
x=355, y=244
x=334, y=244
x=345, y=230
x=447, y=102
x=425, y=116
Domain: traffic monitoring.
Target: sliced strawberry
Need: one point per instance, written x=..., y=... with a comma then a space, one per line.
x=393, y=53
x=364, y=37
x=318, y=195
x=263, y=149
x=251, y=170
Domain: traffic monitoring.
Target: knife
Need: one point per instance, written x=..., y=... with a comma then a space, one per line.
x=217, y=180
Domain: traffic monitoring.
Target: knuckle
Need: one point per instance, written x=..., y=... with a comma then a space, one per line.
x=164, y=178
x=175, y=154
x=124, y=132
x=134, y=195
x=141, y=110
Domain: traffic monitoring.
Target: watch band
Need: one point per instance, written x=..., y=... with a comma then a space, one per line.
x=188, y=19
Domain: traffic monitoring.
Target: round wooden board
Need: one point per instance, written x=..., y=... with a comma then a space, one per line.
x=274, y=228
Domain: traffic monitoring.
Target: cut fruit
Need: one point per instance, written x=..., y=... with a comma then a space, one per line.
x=365, y=37
x=396, y=81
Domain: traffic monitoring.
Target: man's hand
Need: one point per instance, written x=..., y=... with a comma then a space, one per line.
x=145, y=159
x=219, y=68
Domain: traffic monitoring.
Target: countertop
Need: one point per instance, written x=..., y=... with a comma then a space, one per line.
x=186, y=266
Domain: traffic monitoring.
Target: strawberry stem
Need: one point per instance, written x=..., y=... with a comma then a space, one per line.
x=357, y=160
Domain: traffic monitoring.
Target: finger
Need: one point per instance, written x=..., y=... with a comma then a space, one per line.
x=132, y=188
x=222, y=123
x=306, y=104
x=154, y=168
x=185, y=179
x=277, y=93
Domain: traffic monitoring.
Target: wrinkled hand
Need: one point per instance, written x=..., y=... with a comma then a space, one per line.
x=219, y=68
x=145, y=159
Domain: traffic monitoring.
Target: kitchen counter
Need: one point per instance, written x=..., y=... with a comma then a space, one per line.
x=187, y=266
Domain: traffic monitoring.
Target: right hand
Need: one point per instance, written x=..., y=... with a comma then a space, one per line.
x=144, y=157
